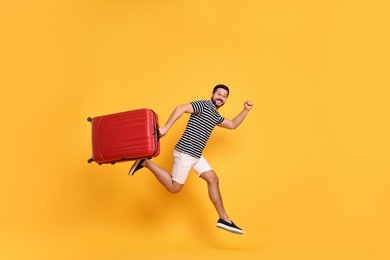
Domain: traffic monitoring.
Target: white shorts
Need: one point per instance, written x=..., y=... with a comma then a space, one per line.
x=183, y=163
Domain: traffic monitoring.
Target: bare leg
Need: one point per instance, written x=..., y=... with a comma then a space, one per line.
x=214, y=193
x=163, y=177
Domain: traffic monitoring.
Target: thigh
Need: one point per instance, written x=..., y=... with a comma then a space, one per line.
x=182, y=164
x=202, y=166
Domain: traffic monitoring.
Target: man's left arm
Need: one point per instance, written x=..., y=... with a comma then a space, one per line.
x=233, y=124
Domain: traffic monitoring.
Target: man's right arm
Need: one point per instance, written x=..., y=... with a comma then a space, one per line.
x=176, y=114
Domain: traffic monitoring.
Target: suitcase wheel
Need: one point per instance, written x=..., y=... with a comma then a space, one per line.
x=90, y=160
x=89, y=119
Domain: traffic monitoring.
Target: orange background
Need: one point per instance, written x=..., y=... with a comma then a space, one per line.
x=306, y=175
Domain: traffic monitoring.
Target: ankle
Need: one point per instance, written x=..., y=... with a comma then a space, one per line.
x=145, y=162
x=227, y=219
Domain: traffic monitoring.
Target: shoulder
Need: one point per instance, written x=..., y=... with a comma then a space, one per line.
x=199, y=105
x=200, y=102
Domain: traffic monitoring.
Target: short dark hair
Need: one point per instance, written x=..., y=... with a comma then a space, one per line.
x=221, y=86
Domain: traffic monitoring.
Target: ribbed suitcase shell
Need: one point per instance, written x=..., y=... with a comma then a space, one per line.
x=125, y=136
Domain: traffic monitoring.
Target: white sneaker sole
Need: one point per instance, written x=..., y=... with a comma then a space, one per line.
x=231, y=229
x=135, y=165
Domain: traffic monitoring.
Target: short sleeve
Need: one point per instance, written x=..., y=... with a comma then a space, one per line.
x=198, y=106
x=220, y=120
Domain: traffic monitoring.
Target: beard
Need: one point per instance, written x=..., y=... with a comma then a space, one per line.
x=221, y=103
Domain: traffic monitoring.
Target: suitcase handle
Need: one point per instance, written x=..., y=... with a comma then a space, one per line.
x=157, y=131
x=157, y=128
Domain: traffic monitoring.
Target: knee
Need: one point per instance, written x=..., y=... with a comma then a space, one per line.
x=215, y=180
x=175, y=188
x=212, y=178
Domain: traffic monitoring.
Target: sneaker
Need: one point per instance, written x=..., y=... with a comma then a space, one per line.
x=229, y=226
x=136, y=166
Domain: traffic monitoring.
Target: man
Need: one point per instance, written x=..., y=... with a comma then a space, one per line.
x=188, y=151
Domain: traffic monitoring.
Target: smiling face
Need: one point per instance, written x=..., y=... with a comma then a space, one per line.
x=219, y=96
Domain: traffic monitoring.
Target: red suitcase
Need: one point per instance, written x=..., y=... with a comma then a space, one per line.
x=125, y=136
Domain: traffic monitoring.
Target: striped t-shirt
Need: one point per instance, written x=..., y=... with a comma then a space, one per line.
x=199, y=128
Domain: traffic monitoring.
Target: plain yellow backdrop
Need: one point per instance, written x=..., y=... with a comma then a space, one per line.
x=306, y=175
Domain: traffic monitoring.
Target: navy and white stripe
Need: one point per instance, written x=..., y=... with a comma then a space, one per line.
x=199, y=128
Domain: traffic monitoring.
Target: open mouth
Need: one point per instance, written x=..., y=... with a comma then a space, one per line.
x=218, y=102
